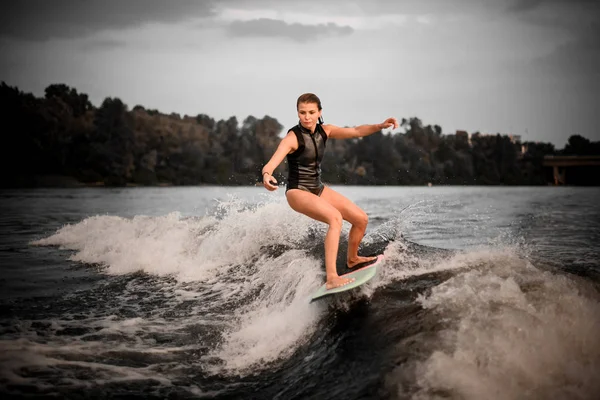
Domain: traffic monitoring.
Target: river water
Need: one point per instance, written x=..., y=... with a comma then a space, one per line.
x=202, y=292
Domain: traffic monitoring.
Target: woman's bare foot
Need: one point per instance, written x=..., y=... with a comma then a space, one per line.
x=338, y=281
x=361, y=261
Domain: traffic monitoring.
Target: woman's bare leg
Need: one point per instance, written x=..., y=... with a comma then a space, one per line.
x=357, y=217
x=316, y=208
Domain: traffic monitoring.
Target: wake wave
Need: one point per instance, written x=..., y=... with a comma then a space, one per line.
x=505, y=330
x=252, y=272
x=241, y=280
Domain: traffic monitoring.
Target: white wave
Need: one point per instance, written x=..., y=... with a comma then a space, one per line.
x=189, y=249
x=217, y=260
x=512, y=331
x=278, y=320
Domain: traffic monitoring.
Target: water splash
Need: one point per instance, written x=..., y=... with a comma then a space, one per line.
x=506, y=330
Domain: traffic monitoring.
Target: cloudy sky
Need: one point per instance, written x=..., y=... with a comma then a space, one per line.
x=528, y=67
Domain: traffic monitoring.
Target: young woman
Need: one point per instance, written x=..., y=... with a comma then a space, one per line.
x=304, y=146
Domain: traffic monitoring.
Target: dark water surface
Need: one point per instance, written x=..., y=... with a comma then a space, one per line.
x=485, y=293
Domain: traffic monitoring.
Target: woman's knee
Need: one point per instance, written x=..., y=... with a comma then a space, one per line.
x=361, y=220
x=335, y=220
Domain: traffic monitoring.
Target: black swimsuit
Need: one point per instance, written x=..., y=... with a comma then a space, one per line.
x=304, y=164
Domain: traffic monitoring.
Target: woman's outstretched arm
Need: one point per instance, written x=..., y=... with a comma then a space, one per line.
x=335, y=132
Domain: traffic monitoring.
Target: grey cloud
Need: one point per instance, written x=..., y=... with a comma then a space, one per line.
x=367, y=7
x=523, y=5
x=410, y=7
x=104, y=44
x=528, y=5
x=577, y=58
x=580, y=18
x=265, y=27
x=44, y=19
x=466, y=6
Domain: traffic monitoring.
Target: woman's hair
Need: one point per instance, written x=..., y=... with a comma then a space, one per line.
x=310, y=98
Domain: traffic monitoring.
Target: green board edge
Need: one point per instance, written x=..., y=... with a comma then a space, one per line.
x=361, y=276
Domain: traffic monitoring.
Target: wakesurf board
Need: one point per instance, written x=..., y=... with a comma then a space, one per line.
x=361, y=276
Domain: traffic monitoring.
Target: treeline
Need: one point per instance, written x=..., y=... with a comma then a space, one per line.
x=64, y=135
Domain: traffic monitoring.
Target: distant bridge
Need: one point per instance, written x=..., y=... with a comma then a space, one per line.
x=579, y=164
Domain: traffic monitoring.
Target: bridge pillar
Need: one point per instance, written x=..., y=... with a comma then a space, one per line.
x=559, y=179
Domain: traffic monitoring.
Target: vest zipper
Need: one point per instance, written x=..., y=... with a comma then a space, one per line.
x=316, y=151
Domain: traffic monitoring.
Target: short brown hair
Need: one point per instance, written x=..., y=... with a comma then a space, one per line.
x=309, y=98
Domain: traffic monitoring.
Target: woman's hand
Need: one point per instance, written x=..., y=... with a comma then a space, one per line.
x=269, y=182
x=390, y=122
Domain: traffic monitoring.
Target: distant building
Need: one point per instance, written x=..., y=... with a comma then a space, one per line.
x=463, y=137
x=514, y=138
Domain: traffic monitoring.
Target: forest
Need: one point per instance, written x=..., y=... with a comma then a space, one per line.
x=62, y=139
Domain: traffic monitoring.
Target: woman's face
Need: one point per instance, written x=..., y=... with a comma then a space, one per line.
x=309, y=115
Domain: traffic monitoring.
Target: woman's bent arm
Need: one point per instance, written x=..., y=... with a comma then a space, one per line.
x=287, y=145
